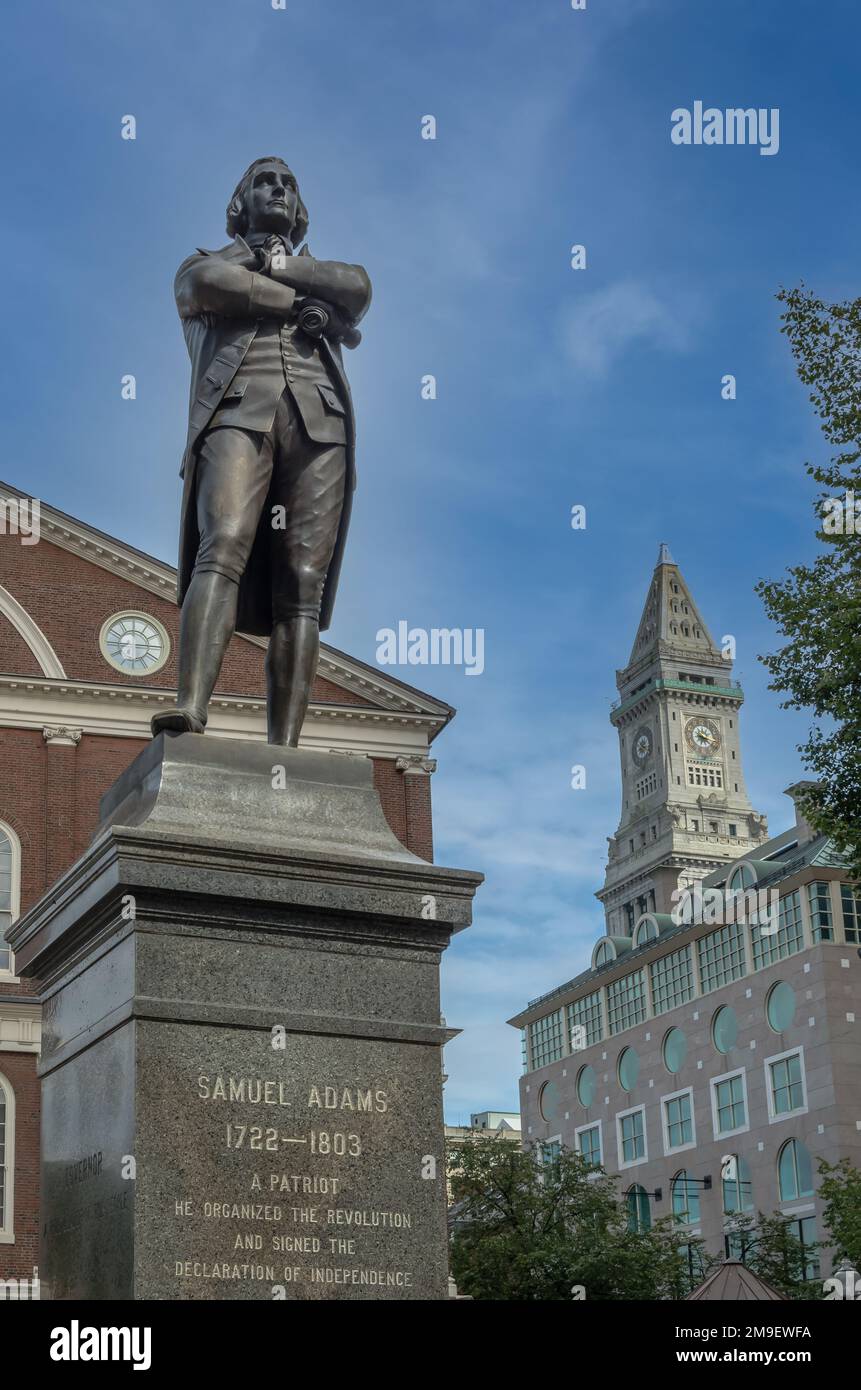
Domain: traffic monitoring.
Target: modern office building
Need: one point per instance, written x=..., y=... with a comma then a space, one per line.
x=709, y=1061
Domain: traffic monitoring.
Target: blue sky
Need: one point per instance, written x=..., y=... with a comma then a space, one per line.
x=555, y=387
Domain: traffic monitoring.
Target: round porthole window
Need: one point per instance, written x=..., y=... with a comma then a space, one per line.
x=780, y=1006
x=548, y=1100
x=724, y=1029
x=134, y=643
x=629, y=1069
x=675, y=1050
x=586, y=1085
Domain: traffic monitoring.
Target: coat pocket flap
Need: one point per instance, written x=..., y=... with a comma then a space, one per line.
x=331, y=399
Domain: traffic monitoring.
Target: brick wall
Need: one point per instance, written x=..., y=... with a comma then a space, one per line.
x=17, y=1261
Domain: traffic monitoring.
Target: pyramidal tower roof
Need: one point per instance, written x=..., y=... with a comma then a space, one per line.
x=671, y=623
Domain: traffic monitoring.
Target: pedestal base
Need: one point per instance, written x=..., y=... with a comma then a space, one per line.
x=241, y=1069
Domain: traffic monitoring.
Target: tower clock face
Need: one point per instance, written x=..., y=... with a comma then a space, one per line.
x=642, y=746
x=703, y=736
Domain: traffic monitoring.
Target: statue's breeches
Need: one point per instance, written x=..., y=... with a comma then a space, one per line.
x=279, y=489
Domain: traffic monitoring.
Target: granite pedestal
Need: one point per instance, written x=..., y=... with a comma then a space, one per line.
x=241, y=1066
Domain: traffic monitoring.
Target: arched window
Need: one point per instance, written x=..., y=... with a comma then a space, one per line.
x=10, y=876
x=646, y=930
x=686, y=1199
x=7, y=1158
x=737, y=1186
x=604, y=953
x=639, y=1212
x=794, y=1171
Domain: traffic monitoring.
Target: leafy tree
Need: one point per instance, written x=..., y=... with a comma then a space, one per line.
x=772, y=1250
x=528, y=1230
x=818, y=607
x=840, y=1190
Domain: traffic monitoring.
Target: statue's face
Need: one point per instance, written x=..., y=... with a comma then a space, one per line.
x=271, y=200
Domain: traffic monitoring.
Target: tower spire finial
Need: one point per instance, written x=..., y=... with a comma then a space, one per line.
x=664, y=556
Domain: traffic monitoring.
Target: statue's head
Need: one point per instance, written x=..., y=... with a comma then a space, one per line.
x=266, y=199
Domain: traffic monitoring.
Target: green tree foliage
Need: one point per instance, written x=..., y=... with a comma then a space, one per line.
x=773, y=1251
x=818, y=607
x=840, y=1190
x=526, y=1230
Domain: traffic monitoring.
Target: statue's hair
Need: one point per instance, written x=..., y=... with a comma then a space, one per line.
x=237, y=214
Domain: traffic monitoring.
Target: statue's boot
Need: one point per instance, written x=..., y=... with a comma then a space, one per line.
x=291, y=665
x=176, y=721
x=208, y=621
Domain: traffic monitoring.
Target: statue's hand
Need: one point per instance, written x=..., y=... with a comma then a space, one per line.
x=320, y=319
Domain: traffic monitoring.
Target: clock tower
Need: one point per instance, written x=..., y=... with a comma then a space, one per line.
x=685, y=808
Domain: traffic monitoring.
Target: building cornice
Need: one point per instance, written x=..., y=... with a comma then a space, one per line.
x=99, y=708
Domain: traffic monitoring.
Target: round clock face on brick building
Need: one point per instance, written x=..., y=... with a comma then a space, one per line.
x=134, y=643
x=703, y=736
x=642, y=746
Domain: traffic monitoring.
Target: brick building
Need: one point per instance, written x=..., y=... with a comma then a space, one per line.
x=88, y=644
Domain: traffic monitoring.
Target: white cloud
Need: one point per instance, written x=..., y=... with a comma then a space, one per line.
x=606, y=322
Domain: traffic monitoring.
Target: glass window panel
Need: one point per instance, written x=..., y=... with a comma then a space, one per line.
x=721, y=956
x=787, y=1091
x=672, y=980
x=586, y=1013
x=586, y=1084
x=737, y=1186
x=819, y=901
x=679, y=1122
x=850, y=903
x=675, y=1050
x=626, y=1002
x=729, y=1104
x=639, y=1211
x=590, y=1146
x=629, y=1069
x=633, y=1145
x=780, y=1008
x=788, y=938
x=545, y=1039
x=686, y=1199
x=725, y=1029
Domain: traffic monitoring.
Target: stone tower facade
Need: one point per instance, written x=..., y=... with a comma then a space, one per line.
x=685, y=808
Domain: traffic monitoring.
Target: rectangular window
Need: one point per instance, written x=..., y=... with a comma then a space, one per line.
x=589, y=1145
x=524, y=1055
x=678, y=1121
x=626, y=1002
x=786, y=1081
x=721, y=957
x=586, y=1013
x=550, y=1151
x=672, y=980
x=819, y=901
x=851, y=904
x=805, y=1230
x=632, y=1137
x=788, y=938
x=730, y=1108
x=545, y=1040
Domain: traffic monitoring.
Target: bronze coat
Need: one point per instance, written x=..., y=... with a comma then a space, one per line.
x=217, y=346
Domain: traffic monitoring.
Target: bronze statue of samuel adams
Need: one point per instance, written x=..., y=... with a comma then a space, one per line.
x=269, y=460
